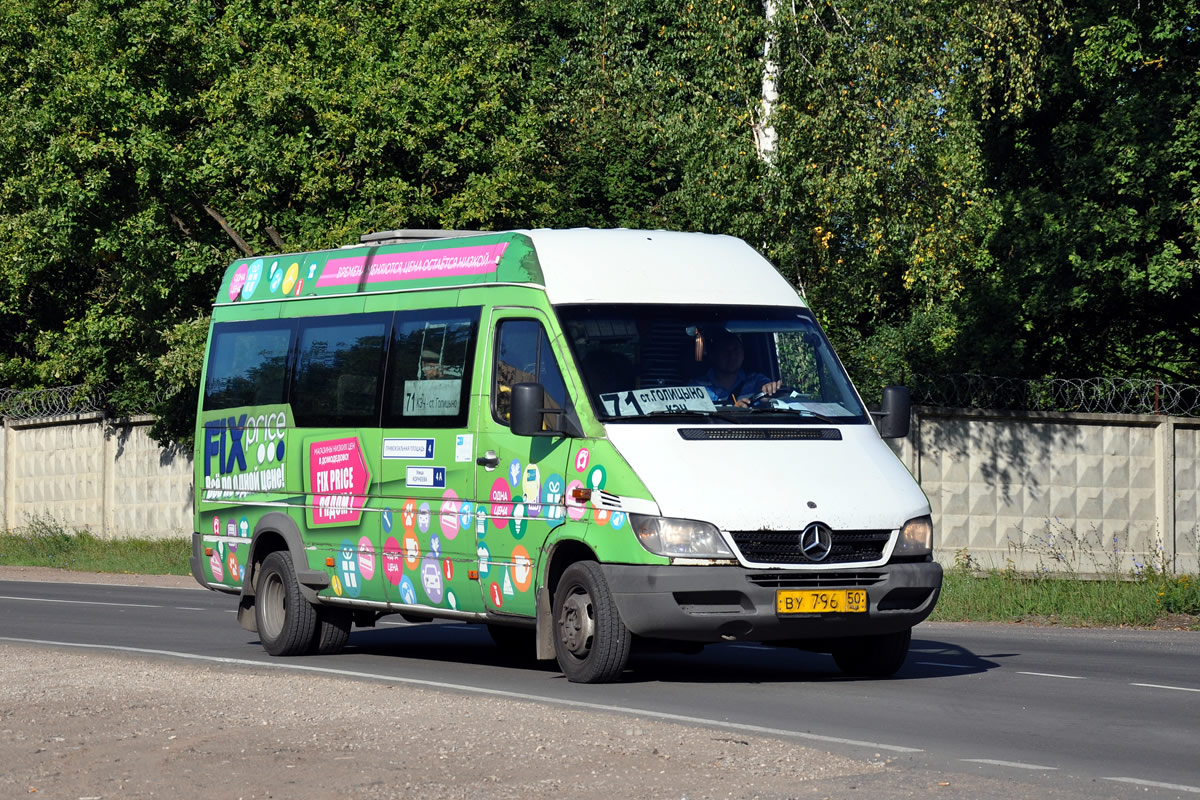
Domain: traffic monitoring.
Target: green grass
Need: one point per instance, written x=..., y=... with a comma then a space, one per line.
x=1007, y=597
x=44, y=543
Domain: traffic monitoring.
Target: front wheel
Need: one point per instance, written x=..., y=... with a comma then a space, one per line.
x=873, y=656
x=287, y=623
x=590, y=641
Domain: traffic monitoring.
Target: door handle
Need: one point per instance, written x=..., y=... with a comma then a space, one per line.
x=489, y=460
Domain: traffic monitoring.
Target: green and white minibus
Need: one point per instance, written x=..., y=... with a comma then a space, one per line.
x=581, y=439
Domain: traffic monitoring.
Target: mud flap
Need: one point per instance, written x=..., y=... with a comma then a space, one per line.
x=545, y=626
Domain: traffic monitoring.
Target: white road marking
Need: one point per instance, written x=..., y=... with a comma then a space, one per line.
x=189, y=608
x=455, y=687
x=997, y=763
x=941, y=664
x=1178, y=787
x=77, y=602
x=1053, y=675
x=1161, y=686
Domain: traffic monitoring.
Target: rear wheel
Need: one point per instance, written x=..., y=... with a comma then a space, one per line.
x=590, y=641
x=873, y=656
x=333, y=630
x=287, y=623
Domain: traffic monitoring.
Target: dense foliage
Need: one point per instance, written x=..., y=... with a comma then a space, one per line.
x=1009, y=188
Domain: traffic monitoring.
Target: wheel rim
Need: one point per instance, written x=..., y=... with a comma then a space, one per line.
x=576, y=626
x=273, y=598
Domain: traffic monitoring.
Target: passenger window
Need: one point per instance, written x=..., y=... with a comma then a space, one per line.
x=248, y=364
x=523, y=355
x=429, y=369
x=338, y=364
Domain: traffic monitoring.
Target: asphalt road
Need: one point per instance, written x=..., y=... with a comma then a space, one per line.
x=1117, y=710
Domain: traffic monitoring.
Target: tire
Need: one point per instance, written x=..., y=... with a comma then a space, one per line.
x=591, y=642
x=333, y=630
x=874, y=656
x=287, y=623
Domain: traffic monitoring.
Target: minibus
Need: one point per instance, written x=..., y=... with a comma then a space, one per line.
x=584, y=440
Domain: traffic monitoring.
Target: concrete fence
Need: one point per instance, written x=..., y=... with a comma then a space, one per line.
x=82, y=472
x=1089, y=492
x=1093, y=493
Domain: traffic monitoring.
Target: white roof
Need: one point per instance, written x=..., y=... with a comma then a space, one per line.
x=584, y=265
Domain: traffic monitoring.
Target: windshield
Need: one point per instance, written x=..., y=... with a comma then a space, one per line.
x=747, y=364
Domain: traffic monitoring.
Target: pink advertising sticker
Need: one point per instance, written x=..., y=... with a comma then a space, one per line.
x=366, y=558
x=501, y=508
x=393, y=561
x=338, y=479
x=450, y=262
x=238, y=281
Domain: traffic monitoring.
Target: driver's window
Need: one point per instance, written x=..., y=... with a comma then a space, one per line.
x=523, y=355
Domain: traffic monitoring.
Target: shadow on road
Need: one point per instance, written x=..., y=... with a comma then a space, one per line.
x=747, y=663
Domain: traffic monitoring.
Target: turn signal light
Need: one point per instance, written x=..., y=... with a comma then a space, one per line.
x=208, y=551
x=472, y=574
x=329, y=562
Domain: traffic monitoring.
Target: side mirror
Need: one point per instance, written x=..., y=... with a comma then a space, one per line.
x=895, y=412
x=525, y=413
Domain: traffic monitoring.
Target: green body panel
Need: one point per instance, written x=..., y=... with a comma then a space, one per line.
x=419, y=544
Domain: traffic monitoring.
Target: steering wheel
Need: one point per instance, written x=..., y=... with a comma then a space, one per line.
x=753, y=400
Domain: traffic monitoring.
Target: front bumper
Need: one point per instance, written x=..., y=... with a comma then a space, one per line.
x=711, y=604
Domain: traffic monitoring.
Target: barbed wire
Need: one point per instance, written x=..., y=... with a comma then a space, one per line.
x=1089, y=395
x=21, y=404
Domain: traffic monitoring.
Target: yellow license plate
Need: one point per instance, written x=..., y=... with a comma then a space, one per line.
x=830, y=601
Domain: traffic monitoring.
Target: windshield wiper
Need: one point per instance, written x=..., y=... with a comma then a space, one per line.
x=799, y=412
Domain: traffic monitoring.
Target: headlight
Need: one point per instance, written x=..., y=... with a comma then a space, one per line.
x=679, y=537
x=916, y=538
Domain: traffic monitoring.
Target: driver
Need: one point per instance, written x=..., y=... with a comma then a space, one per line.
x=725, y=380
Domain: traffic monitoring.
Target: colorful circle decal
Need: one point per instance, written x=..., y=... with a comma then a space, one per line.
x=522, y=568
x=386, y=518
x=451, y=599
x=231, y=528
x=596, y=478
x=276, y=276
x=337, y=585
x=448, y=570
x=366, y=558
x=435, y=546
x=497, y=597
x=501, y=508
x=232, y=562
x=552, y=495
x=431, y=579
x=514, y=472
x=393, y=561
x=409, y=515
x=485, y=556
x=253, y=276
x=217, y=566
x=481, y=521
x=448, y=513
x=243, y=527
x=407, y=593
x=289, y=280
x=412, y=550
x=216, y=526
x=575, y=508
x=519, y=521
x=601, y=516
x=581, y=459
x=237, y=281
x=348, y=568
x=423, y=518
x=466, y=515
x=618, y=520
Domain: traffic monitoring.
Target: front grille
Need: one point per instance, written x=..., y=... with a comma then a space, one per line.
x=783, y=547
x=759, y=434
x=815, y=580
